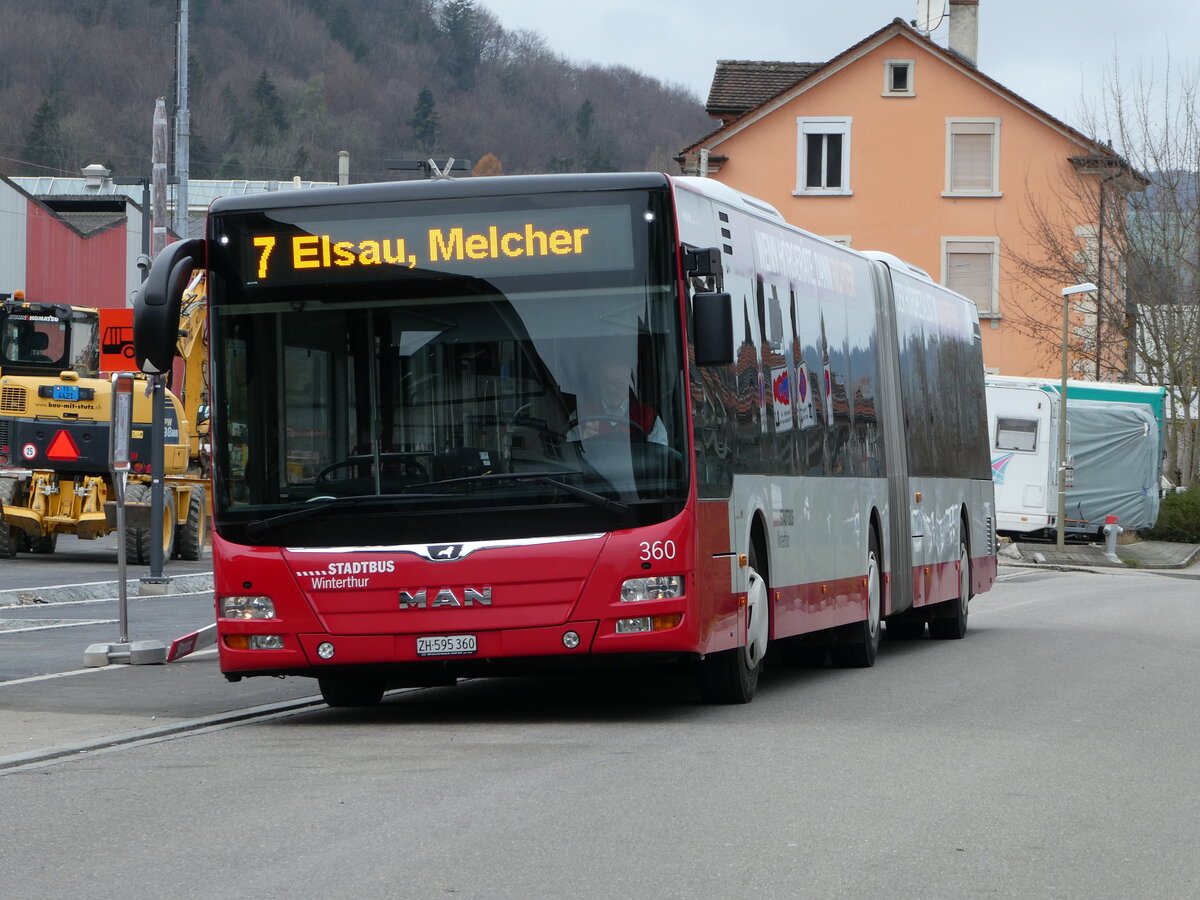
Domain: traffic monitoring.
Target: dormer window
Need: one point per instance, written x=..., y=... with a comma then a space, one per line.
x=898, y=78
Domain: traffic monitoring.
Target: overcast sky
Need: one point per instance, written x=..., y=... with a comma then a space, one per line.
x=1048, y=51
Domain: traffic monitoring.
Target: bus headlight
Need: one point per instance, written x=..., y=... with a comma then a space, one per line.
x=247, y=608
x=656, y=587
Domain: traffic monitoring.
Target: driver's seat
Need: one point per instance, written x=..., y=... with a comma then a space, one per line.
x=35, y=343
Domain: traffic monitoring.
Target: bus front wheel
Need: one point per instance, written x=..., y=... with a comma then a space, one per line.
x=351, y=690
x=732, y=675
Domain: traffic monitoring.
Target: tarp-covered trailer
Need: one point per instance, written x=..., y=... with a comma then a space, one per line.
x=1115, y=447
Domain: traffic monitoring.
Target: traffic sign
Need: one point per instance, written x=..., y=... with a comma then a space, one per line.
x=122, y=422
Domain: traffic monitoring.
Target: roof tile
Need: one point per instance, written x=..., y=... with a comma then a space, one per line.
x=740, y=85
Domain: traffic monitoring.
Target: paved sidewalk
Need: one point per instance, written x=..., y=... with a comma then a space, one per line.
x=1140, y=555
x=103, y=590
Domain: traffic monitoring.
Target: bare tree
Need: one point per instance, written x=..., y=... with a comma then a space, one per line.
x=1130, y=223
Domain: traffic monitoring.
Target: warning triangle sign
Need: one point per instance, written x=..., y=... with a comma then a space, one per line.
x=63, y=448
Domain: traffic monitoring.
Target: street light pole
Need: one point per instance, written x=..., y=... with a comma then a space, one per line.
x=145, y=183
x=1085, y=288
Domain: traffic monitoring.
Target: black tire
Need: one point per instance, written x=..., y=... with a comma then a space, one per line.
x=351, y=690
x=9, y=536
x=949, y=619
x=801, y=652
x=731, y=676
x=906, y=628
x=192, y=535
x=137, y=540
x=859, y=643
x=44, y=544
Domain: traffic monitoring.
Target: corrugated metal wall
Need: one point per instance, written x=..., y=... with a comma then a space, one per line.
x=63, y=267
x=12, y=240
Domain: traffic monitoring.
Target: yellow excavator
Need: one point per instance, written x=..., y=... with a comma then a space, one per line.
x=55, y=413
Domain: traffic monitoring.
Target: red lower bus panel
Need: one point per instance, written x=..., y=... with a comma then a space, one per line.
x=716, y=604
x=519, y=642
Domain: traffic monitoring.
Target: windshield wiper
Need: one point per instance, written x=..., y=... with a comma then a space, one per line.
x=543, y=477
x=259, y=527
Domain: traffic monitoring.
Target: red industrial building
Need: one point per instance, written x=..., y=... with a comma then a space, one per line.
x=77, y=249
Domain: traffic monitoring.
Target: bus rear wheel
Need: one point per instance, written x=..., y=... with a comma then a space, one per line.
x=351, y=690
x=859, y=644
x=732, y=675
x=949, y=618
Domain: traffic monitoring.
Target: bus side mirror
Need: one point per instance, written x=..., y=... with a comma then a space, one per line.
x=157, y=303
x=712, y=318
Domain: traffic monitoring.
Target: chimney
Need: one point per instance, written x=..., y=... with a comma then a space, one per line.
x=964, y=29
x=94, y=176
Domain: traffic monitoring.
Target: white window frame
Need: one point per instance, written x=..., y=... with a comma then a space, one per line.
x=972, y=126
x=989, y=308
x=888, y=66
x=846, y=240
x=827, y=125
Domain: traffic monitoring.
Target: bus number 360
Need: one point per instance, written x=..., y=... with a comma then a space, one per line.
x=658, y=550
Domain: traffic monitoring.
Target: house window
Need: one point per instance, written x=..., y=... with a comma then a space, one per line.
x=973, y=157
x=824, y=151
x=971, y=266
x=898, y=78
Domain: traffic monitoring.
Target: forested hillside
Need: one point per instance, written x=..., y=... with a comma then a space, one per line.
x=278, y=87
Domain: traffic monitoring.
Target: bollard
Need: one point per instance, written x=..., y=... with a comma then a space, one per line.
x=1111, y=532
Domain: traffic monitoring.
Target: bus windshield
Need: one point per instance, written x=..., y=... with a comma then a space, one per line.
x=418, y=403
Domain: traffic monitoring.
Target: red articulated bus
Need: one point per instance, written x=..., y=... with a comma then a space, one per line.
x=464, y=427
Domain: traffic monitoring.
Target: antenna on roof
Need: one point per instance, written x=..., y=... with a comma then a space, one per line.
x=930, y=14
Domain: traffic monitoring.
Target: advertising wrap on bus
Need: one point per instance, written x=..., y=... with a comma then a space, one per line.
x=460, y=428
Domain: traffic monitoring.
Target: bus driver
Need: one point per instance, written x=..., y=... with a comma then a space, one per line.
x=612, y=407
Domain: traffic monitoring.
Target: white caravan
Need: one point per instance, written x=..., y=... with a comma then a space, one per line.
x=1113, y=453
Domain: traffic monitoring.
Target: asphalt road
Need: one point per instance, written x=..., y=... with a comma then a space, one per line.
x=1050, y=754
x=51, y=703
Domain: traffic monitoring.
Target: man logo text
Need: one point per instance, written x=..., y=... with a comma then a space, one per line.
x=445, y=597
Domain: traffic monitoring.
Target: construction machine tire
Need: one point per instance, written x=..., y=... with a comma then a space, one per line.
x=44, y=544
x=9, y=536
x=138, y=540
x=190, y=537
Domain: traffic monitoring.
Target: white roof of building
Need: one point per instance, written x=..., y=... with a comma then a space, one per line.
x=201, y=191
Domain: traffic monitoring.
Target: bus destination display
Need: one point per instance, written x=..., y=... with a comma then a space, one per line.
x=595, y=238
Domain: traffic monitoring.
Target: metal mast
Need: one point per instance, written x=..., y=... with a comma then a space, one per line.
x=183, y=124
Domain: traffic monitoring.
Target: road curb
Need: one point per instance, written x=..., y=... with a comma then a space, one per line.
x=158, y=732
x=100, y=590
x=1173, y=572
